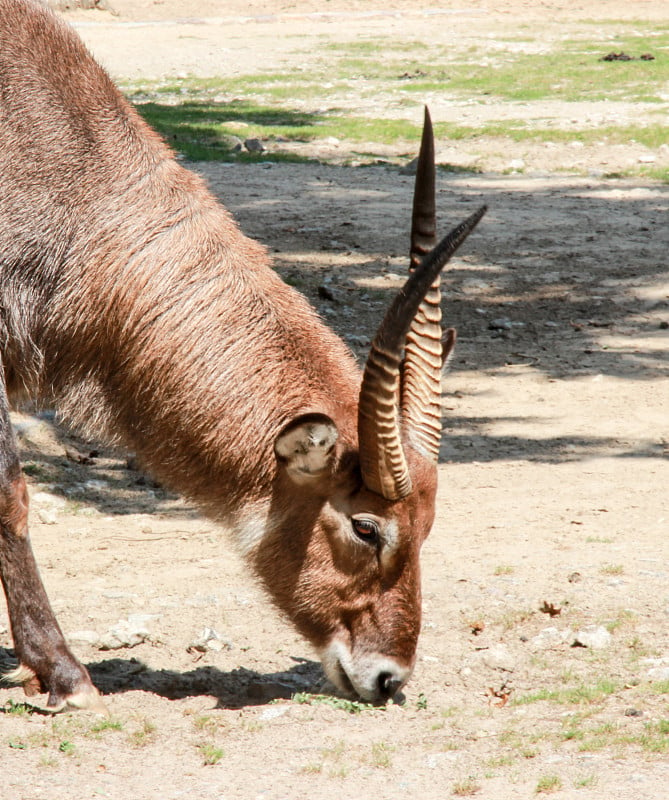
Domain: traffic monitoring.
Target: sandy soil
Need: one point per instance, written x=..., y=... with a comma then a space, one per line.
x=553, y=487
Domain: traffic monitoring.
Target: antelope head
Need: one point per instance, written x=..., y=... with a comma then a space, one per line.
x=361, y=502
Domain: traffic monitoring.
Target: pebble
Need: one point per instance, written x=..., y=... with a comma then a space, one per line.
x=550, y=637
x=254, y=145
x=498, y=657
x=124, y=634
x=659, y=673
x=209, y=641
x=500, y=324
x=273, y=712
x=97, y=485
x=46, y=499
x=360, y=341
x=46, y=516
x=596, y=637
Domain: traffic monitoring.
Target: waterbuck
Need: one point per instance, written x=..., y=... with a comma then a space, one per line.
x=131, y=300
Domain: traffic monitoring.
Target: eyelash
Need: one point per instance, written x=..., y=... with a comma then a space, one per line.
x=366, y=530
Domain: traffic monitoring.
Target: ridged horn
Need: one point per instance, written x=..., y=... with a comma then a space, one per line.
x=420, y=381
x=382, y=460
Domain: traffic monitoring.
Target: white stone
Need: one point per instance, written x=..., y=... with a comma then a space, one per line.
x=595, y=637
x=498, y=657
x=123, y=634
x=46, y=516
x=550, y=637
x=659, y=673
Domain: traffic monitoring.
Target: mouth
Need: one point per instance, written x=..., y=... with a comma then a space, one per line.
x=343, y=682
x=372, y=677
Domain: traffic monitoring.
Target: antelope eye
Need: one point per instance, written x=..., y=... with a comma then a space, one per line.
x=366, y=530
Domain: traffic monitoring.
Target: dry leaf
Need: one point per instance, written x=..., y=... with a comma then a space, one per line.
x=498, y=697
x=550, y=609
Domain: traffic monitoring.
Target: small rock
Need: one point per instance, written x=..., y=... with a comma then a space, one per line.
x=500, y=324
x=230, y=142
x=499, y=657
x=360, y=341
x=633, y=712
x=209, y=641
x=647, y=159
x=123, y=634
x=50, y=500
x=659, y=673
x=273, y=712
x=516, y=164
x=254, y=145
x=96, y=485
x=550, y=637
x=596, y=637
x=46, y=516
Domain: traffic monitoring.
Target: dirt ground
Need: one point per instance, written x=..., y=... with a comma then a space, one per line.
x=544, y=661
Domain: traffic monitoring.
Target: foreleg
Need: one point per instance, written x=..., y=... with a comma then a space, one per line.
x=45, y=661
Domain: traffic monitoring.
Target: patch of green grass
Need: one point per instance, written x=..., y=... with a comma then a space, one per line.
x=572, y=71
x=576, y=695
x=466, y=788
x=211, y=754
x=202, y=117
x=17, y=709
x=35, y=470
x=206, y=130
x=340, y=703
x=548, y=783
x=311, y=769
x=17, y=744
x=612, y=569
x=381, y=755
x=144, y=734
x=67, y=747
x=652, y=739
x=206, y=724
x=655, y=738
x=104, y=725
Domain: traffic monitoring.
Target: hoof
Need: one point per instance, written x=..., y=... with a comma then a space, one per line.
x=87, y=698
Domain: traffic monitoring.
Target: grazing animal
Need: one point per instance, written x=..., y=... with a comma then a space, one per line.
x=130, y=298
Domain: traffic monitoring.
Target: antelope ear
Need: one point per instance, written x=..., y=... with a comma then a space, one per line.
x=306, y=446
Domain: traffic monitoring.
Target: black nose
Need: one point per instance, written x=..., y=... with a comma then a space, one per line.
x=388, y=685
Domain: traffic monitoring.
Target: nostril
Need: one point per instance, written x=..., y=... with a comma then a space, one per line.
x=388, y=685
